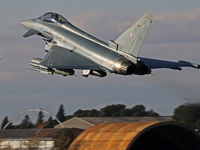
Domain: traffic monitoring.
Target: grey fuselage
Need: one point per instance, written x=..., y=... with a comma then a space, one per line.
x=69, y=37
x=70, y=48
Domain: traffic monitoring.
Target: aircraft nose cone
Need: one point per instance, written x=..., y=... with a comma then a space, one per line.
x=26, y=23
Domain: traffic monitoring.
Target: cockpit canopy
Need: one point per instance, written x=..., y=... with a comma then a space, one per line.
x=53, y=18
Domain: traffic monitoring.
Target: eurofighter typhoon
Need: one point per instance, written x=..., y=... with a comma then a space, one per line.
x=70, y=48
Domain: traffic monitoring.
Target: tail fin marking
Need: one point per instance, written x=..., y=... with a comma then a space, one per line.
x=132, y=39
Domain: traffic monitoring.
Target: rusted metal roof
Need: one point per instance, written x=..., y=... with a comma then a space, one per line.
x=137, y=136
x=109, y=136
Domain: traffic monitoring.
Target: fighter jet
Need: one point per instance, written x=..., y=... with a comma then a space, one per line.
x=69, y=48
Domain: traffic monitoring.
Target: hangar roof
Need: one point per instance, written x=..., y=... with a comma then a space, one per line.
x=25, y=133
x=86, y=122
x=137, y=136
x=43, y=133
x=99, y=120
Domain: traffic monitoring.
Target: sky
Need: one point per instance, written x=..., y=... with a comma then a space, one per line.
x=173, y=35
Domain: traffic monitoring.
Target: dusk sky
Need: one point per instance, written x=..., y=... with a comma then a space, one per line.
x=173, y=35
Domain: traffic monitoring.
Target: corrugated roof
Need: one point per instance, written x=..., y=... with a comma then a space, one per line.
x=49, y=133
x=100, y=120
x=137, y=136
x=108, y=136
x=28, y=133
x=86, y=122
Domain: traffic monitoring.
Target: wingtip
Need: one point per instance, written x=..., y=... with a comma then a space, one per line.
x=197, y=66
x=148, y=16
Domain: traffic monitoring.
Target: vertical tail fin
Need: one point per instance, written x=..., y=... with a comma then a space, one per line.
x=132, y=39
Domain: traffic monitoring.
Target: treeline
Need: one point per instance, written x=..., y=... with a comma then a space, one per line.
x=118, y=110
x=27, y=123
x=189, y=114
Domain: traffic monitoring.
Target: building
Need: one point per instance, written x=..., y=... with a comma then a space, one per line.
x=87, y=122
x=43, y=139
x=137, y=136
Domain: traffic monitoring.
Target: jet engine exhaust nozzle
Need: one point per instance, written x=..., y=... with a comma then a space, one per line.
x=124, y=66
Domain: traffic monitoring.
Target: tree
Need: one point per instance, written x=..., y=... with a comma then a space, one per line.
x=86, y=113
x=64, y=139
x=118, y=110
x=51, y=123
x=188, y=114
x=93, y=113
x=125, y=113
x=40, y=119
x=5, y=121
x=78, y=113
x=61, y=115
x=111, y=110
x=138, y=111
x=26, y=123
x=151, y=113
